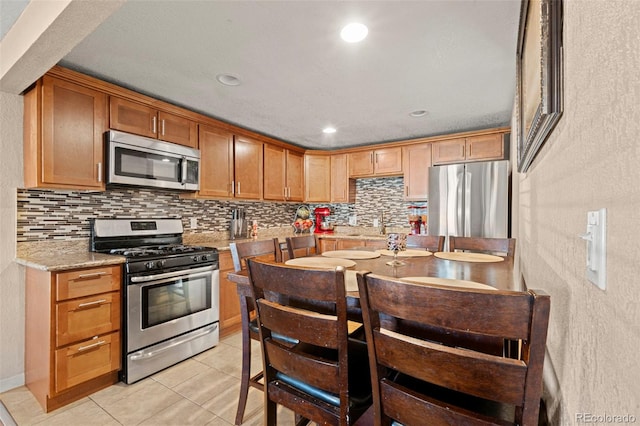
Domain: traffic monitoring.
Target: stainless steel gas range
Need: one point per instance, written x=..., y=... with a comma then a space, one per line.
x=171, y=293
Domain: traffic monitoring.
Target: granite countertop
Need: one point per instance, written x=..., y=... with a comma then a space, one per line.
x=55, y=255
x=62, y=255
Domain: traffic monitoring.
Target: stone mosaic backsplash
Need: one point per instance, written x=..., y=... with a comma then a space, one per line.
x=64, y=215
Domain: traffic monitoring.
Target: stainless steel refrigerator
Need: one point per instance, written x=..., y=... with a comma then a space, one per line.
x=469, y=200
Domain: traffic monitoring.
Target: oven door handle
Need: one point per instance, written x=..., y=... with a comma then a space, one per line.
x=143, y=354
x=183, y=272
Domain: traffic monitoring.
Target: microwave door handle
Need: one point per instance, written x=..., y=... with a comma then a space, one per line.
x=183, y=177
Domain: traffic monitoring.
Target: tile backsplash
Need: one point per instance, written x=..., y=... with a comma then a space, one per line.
x=64, y=215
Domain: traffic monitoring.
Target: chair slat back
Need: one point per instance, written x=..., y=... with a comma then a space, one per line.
x=484, y=245
x=442, y=363
x=267, y=249
x=302, y=246
x=308, y=306
x=433, y=243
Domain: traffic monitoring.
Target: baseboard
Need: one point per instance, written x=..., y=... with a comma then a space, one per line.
x=12, y=382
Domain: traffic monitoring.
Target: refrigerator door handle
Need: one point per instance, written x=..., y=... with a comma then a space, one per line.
x=460, y=204
x=467, y=208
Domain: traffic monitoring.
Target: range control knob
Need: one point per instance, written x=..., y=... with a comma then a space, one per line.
x=205, y=257
x=195, y=258
x=161, y=263
x=150, y=265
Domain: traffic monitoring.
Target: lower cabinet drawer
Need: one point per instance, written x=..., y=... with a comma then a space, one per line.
x=84, y=318
x=86, y=360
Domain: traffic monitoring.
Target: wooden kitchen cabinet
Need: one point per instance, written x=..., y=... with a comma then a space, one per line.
x=328, y=244
x=473, y=148
x=216, y=162
x=230, y=319
x=317, y=178
x=417, y=160
x=343, y=188
x=283, y=174
x=377, y=162
x=248, y=168
x=72, y=342
x=143, y=120
x=64, y=125
x=230, y=166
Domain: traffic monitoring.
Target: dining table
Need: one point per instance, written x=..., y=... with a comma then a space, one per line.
x=497, y=273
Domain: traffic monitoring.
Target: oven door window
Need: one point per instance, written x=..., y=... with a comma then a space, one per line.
x=147, y=165
x=176, y=299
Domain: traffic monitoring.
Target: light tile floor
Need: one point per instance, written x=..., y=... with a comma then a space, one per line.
x=200, y=391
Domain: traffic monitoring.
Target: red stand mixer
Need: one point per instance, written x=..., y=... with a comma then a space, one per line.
x=322, y=226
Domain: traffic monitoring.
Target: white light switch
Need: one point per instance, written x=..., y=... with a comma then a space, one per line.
x=194, y=223
x=596, y=238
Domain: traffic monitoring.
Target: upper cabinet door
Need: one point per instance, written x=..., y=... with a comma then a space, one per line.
x=417, y=160
x=379, y=162
x=132, y=117
x=73, y=124
x=317, y=178
x=295, y=176
x=361, y=163
x=248, y=168
x=451, y=151
x=275, y=171
x=343, y=189
x=216, y=162
x=387, y=161
x=172, y=128
x=143, y=120
x=485, y=147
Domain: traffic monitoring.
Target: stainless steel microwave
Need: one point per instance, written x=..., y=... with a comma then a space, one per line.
x=140, y=161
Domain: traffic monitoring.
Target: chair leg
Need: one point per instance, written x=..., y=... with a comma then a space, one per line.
x=246, y=376
x=271, y=412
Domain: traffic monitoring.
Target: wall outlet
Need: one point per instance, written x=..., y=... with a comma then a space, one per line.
x=353, y=220
x=376, y=223
x=193, y=223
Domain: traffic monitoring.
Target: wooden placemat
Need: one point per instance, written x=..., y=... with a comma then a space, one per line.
x=351, y=254
x=406, y=253
x=319, y=262
x=448, y=282
x=468, y=257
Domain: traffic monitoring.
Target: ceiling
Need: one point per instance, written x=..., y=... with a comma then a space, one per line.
x=454, y=59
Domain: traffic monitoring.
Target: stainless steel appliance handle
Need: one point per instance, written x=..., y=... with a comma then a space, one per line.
x=183, y=272
x=183, y=173
x=143, y=355
x=460, y=206
x=467, y=202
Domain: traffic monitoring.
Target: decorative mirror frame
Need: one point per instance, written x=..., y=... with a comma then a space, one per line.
x=539, y=99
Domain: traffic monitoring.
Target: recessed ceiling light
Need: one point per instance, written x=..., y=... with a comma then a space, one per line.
x=228, y=79
x=418, y=113
x=354, y=32
x=328, y=130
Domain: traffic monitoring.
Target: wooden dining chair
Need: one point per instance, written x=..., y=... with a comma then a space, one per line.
x=421, y=376
x=432, y=243
x=306, y=245
x=507, y=246
x=325, y=377
x=240, y=251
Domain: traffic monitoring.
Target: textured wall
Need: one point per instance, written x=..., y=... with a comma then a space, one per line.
x=590, y=161
x=11, y=275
